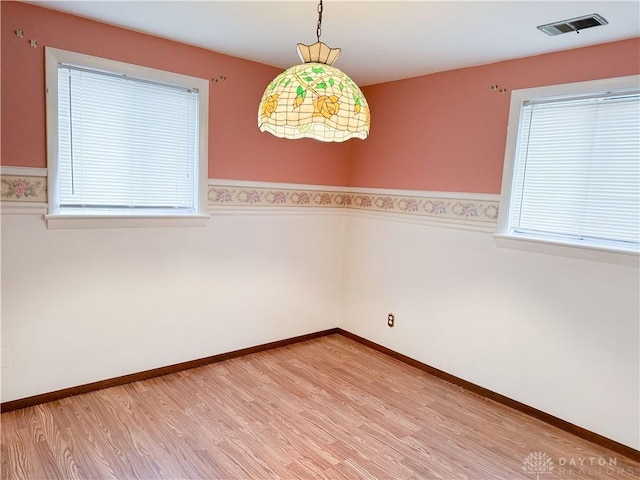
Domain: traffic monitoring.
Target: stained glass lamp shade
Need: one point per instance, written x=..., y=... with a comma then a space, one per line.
x=314, y=100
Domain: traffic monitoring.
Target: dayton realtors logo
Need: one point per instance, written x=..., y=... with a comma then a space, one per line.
x=537, y=463
x=540, y=463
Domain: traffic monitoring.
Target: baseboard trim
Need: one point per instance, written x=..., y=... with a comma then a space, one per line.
x=155, y=372
x=509, y=402
x=472, y=387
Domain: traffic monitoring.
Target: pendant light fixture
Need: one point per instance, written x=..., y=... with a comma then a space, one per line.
x=314, y=99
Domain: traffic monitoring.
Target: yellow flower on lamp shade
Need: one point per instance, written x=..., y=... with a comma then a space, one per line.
x=269, y=105
x=299, y=100
x=326, y=106
x=314, y=100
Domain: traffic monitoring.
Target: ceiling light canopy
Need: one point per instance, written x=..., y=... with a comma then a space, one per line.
x=314, y=99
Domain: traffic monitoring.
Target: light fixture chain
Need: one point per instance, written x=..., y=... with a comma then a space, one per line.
x=319, y=29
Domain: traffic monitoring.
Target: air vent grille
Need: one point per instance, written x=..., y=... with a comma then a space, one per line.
x=573, y=24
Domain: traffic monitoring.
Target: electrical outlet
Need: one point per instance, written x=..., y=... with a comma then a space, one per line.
x=391, y=319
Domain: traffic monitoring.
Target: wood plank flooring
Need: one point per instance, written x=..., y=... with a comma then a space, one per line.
x=327, y=408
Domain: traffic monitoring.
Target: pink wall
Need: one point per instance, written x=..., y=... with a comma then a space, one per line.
x=442, y=132
x=447, y=131
x=237, y=150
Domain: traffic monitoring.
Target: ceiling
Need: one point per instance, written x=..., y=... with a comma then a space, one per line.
x=380, y=40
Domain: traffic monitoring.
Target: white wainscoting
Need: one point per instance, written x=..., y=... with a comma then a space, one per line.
x=559, y=334
x=79, y=306
x=279, y=260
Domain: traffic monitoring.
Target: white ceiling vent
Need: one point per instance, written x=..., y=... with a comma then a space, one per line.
x=573, y=24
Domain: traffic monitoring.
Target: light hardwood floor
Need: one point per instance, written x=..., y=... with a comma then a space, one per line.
x=326, y=408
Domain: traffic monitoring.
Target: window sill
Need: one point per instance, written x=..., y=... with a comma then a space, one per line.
x=124, y=221
x=599, y=254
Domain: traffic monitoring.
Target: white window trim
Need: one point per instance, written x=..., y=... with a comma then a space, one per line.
x=521, y=242
x=54, y=218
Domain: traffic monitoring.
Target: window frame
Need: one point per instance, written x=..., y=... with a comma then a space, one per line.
x=503, y=236
x=57, y=219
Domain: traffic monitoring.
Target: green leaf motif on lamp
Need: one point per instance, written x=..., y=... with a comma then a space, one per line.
x=301, y=94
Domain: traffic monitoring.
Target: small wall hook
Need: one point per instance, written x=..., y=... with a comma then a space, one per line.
x=219, y=79
x=19, y=34
x=498, y=88
x=33, y=42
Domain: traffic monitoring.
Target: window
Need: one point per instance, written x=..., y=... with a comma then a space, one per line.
x=127, y=145
x=572, y=169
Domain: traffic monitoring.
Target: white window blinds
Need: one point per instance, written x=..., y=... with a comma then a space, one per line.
x=125, y=145
x=577, y=172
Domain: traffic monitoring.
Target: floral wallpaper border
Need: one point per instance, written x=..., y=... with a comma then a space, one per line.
x=23, y=188
x=232, y=196
x=485, y=211
x=27, y=188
